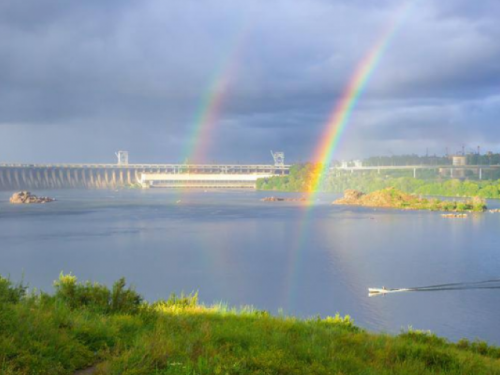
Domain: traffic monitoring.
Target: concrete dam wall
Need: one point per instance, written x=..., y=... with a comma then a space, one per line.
x=25, y=178
x=86, y=176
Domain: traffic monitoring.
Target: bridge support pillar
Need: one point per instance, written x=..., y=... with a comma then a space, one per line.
x=414, y=172
x=480, y=173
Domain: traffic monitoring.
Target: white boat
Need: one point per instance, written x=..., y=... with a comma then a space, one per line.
x=378, y=291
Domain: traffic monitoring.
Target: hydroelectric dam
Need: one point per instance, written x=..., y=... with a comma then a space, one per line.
x=123, y=174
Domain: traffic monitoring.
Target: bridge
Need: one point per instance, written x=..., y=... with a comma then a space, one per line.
x=110, y=176
x=449, y=170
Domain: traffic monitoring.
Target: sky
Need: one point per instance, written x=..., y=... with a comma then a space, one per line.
x=80, y=80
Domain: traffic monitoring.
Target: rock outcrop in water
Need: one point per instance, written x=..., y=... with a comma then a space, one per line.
x=393, y=198
x=25, y=197
x=455, y=216
x=279, y=199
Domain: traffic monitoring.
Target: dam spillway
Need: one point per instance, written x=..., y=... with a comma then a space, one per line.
x=110, y=176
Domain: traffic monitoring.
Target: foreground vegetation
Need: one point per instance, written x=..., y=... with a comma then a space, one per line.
x=394, y=198
x=301, y=175
x=84, y=324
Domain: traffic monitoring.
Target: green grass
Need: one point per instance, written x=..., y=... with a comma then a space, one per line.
x=83, y=324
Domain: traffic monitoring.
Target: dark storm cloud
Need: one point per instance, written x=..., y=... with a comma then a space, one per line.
x=80, y=79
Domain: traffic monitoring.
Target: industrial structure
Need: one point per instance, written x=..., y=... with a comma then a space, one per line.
x=279, y=158
x=122, y=157
x=457, y=169
x=202, y=180
x=108, y=176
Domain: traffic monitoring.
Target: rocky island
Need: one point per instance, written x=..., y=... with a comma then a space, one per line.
x=25, y=197
x=393, y=198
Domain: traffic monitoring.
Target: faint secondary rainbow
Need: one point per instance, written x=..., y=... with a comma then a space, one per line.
x=208, y=114
x=212, y=102
x=334, y=128
x=340, y=116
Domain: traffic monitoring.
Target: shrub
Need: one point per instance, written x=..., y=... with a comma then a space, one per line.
x=10, y=293
x=124, y=300
x=344, y=322
x=96, y=296
x=478, y=204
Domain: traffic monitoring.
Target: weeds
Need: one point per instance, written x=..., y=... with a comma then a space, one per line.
x=84, y=324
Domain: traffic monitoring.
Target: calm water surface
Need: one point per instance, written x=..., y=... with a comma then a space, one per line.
x=233, y=248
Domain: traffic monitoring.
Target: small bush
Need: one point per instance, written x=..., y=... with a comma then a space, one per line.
x=10, y=293
x=96, y=296
x=124, y=300
x=478, y=204
x=344, y=322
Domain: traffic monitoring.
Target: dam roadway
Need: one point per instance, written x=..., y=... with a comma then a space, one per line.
x=110, y=176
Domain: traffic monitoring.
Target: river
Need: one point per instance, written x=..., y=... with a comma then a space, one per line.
x=283, y=256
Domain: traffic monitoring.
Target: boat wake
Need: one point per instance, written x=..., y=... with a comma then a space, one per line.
x=487, y=284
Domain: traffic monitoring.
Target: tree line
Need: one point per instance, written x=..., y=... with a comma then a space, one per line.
x=301, y=176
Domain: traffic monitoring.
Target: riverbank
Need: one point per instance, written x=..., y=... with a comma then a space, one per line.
x=86, y=324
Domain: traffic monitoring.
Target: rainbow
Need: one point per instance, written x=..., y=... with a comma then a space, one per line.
x=334, y=128
x=339, y=118
x=207, y=116
x=212, y=102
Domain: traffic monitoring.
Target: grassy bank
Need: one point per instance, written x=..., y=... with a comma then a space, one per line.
x=83, y=324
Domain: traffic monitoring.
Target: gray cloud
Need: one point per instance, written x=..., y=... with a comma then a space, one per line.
x=79, y=80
